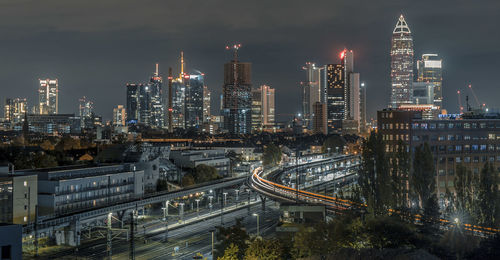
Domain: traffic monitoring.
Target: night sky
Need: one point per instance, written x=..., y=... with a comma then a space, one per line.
x=95, y=47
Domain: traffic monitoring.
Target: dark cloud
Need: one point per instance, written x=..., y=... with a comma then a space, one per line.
x=95, y=47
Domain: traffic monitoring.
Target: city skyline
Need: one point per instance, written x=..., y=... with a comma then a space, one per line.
x=269, y=55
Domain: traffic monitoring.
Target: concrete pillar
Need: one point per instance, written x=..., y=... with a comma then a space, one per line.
x=263, y=202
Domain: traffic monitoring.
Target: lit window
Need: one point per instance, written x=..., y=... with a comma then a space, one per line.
x=25, y=219
x=25, y=184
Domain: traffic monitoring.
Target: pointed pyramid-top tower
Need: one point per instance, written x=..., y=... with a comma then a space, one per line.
x=401, y=26
x=401, y=64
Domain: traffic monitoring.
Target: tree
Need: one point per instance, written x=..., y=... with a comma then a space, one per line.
x=47, y=145
x=465, y=184
x=335, y=143
x=374, y=176
x=236, y=235
x=431, y=216
x=400, y=169
x=187, y=180
x=231, y=253
x=260, y=249
x=204, y=173
x=272, y=155
x=422, y=177
x=161, y=185
x=389, y=232
x=487, y=195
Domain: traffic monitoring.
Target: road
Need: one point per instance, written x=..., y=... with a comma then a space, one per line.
x=189, y=239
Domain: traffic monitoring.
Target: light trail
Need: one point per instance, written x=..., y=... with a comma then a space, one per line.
x=276, y=189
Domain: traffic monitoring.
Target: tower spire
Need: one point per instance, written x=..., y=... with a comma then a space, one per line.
x=182, y=64
x=156, y=71
x=401, y=26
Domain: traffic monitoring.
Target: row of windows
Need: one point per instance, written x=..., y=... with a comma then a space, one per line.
x=452, y=137
x=456, y=125
x=469, y=159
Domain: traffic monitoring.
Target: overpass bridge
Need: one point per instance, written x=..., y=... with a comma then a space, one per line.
x=73, y=223
x=270, y=184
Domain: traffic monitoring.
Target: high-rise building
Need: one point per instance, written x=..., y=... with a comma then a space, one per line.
x=362, y=108
x=132, y=103
x=237, y=100
x=335, y=95
x=263, y=108
x=320, y=119
x=194, y=100
x=86, y=111
x=179, y=97
x=256, y=110
x=423, y=93
x=157, y=106
x=206, y=104
x=430, y=70
x=14, y=110
x=145, y=94
x=48, y=97
x=268, y=106
x=401, y=64
x=311, y=91
x=119, y=115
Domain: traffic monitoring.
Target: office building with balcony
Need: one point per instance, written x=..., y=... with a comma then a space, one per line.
x=63, y=190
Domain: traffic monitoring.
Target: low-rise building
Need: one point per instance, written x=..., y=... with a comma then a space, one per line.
x=64, y=190
x=18, y=197
x=192, y=158
x=11, y=246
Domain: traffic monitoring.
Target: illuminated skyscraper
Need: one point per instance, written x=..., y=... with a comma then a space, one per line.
x=263, y=108
x=430, y=71
x=157, y=107
x=179, y=97
x=119, y=115
x=48, y=97
x=401, y=64
x=335, y=95
x=206, y=104
x=237, y=99
x=14, y=110
x=132, y=103
x=194, y=100
x=86, y=109
x=311, y=91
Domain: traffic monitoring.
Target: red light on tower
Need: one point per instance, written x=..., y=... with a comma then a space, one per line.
x=342, y=54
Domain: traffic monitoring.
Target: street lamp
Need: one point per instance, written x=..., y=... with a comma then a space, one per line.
x=237, y=198
x=225, y=194
x=165, y=211
x=258, y=230
x=197, y=207
x=210, y=203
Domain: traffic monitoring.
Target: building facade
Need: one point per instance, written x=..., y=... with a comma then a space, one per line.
x=401, y=64
x=18, y=198
x=311, y=91
x=48, y=97
x=206, y=104
x=192, y=158
x=430, y=70
x=86, y=112
x=14, y=110
x=63, y=190
x=470, y=140
x=237, y=99
x=54, y=124
x=320, y=120
x=119, y=115
x=194, y=100
x=157, y=107
x=132, y=103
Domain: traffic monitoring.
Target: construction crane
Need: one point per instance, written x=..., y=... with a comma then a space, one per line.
x=474, y=95
x=461, y=108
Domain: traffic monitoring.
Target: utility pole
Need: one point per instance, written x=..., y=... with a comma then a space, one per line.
x=132, y=245
x=297, y=175
x=109, y=245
